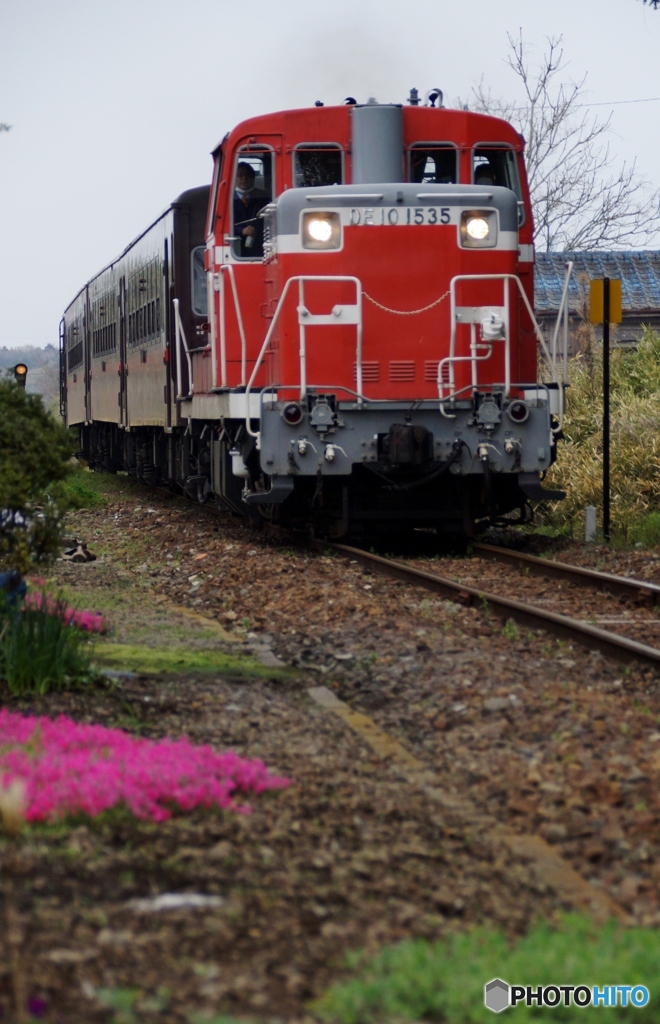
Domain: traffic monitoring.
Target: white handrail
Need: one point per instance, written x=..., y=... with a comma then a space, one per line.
x=452, y=358
x=228, y=268
x=302, y=346
x=181, y=338
x=210, y=302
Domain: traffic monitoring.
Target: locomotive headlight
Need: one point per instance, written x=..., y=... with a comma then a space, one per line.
x=478, y=229
x=321, y=230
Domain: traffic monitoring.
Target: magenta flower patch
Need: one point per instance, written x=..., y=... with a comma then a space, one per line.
x=69, y=768
x=91, y=622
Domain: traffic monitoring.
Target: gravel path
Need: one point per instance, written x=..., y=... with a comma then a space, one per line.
x=538, y=736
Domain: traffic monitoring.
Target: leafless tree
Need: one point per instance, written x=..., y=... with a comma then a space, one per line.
x=581, y=200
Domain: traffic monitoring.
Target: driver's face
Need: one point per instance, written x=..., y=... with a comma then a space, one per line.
x=245, y=180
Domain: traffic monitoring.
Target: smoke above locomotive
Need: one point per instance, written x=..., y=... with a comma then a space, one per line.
x=339, y=333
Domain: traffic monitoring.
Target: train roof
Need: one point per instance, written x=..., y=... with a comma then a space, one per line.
x=465, y=127
x=185, y=198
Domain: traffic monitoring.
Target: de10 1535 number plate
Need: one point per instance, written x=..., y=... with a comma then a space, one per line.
x=391, y=216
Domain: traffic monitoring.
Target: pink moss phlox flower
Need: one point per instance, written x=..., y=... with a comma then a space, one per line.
x=74, y=768
x=91, y=622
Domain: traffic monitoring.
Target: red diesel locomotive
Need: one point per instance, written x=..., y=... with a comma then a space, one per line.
x=339, y=333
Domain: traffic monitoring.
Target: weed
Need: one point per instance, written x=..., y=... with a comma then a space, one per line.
x=222, y=1019
x=122, y=1001
x=444, y=981
x=510, y=630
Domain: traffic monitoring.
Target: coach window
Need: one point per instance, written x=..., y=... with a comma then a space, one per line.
x=253, y=189
x=318, y=164
x=433, y=163
x=493, y=165
x=198, y=275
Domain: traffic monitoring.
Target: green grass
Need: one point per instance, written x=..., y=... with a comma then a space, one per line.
x=178, y=660
x=646, y=531
x=444, y=981
x=81, y=489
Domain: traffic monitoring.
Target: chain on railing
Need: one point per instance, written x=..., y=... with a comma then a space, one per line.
x=405, y=312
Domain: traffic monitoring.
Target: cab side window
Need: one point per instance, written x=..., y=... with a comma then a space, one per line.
x=252, y=190
x=317, y=164
x=432, y=163
x=198, y=282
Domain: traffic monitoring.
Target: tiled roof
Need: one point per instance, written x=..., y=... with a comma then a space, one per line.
x=639, y=273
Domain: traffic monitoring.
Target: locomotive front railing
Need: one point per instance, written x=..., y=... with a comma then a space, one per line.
x=481, y=349
x=340, y=315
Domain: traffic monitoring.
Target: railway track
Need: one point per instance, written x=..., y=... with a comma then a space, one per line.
x=621, y=586
x=525, y=613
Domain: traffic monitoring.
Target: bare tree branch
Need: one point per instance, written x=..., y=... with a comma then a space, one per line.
x=580, y=199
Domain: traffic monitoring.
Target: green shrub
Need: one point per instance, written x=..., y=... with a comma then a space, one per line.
x=444, y=981
x=34, y=454
x=39, y=653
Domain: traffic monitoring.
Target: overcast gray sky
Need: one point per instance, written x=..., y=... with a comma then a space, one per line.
x=115, y=105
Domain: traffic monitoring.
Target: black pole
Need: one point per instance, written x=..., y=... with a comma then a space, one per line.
x=606, y=409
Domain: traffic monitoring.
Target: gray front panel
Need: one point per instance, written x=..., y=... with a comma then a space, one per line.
x=508, y=447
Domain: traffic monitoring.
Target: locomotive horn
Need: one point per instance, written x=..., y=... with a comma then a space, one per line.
x=433, y=96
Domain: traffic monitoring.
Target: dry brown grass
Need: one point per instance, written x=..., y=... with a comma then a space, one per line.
x=635, y=438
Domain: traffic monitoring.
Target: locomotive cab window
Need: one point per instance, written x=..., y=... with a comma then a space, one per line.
x=198, y=280
x=492, y=165
x=317, y=164
x=253, y=189
x=432, y=163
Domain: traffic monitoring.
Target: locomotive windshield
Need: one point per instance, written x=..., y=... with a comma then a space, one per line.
x=317, y=164
x=433, y=164
x=497, y=166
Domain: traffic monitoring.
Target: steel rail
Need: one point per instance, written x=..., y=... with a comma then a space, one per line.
x=610, y=644
x=618, y=585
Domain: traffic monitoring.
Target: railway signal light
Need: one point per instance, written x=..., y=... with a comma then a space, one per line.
x=20, y=374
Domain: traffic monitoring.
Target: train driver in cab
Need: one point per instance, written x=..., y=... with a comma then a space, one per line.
x=248, y=201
